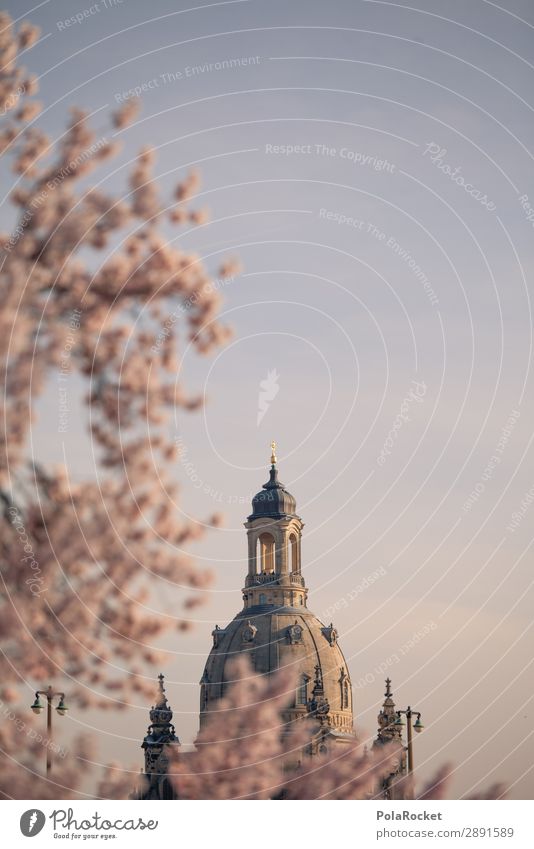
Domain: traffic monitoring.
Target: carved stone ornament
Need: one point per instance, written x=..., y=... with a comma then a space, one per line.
x=249, y=632
x=330, y=633
x=216, y=634
x=294, y=633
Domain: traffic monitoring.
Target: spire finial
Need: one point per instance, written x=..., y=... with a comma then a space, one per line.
x=388, y=688
x=273, y=453
x=161, y=679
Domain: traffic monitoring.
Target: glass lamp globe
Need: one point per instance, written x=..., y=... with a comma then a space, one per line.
x=62, y=708
x=37, y=705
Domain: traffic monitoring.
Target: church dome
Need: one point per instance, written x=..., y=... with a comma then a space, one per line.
x=273, y=501
x=278, y=638
x=275, y=629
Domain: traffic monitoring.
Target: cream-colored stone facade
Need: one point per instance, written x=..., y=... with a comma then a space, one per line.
x=275, y=627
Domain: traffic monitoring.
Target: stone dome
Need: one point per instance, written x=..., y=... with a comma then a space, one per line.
x=275, y=628
x=284, y=637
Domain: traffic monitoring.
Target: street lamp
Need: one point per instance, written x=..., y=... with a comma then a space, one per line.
x=418, y=727
x=61, y=708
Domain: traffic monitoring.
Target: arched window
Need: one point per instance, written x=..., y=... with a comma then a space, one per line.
x=302, y=690
x=345, y=690
x=263, y=598
x=294, y=545
x=267, y=553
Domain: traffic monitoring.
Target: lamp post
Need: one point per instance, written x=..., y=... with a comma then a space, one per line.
x=417, y=727
x=61, y=708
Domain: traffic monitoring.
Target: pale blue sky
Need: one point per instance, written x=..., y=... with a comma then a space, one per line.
x=348, y=326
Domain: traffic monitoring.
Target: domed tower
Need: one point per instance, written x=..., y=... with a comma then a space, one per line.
x=158, y=741
x=389, y=730
x=275, y=627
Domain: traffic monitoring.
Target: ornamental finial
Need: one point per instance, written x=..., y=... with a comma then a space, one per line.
x=273, y=453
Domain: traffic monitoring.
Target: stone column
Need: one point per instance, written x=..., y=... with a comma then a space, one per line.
x=252, y=547
x=281, y=552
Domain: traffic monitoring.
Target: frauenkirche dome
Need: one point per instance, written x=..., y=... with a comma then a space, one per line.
x=275, y=627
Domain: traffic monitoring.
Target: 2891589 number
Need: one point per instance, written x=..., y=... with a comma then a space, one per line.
x=483, y=831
